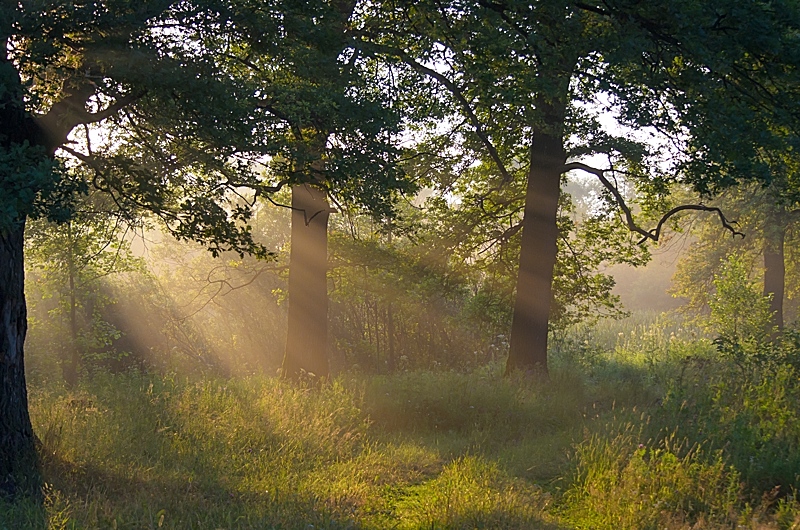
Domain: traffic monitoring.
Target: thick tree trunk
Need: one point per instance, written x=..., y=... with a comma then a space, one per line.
x=528, y=345
x=306, y=352
x=775, y=270
x=19, y=467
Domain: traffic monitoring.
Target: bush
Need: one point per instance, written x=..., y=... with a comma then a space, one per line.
x=753, y=417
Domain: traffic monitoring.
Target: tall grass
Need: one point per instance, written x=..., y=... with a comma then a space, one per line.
x=652, y=431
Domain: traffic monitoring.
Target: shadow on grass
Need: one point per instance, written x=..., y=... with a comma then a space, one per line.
x=87, y=496
x=22, y=514
x=424, y=450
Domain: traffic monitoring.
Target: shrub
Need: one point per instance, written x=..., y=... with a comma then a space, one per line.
x=621, y=482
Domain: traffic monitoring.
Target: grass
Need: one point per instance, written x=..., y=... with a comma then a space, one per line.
x=642, y=433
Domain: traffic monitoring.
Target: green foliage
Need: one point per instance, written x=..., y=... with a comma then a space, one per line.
x=713, y=438
x=34, y=185
x=512, y=72
x=751, y=416
x=765, y=215
x=483, y=229
x=320, y=113
x=740, y=314
x=73, y=266
x=625, y=481
x=165, y=152
x=250, y=96
x=738, y=309
x=423, y=449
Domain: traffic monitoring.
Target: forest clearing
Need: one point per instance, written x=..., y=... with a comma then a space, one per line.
x=655, y=432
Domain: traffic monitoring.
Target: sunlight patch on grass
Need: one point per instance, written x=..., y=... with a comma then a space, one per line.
x=472, y=492
x=427, y=450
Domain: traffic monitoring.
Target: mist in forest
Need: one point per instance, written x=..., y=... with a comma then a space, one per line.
x=647, y=288
x=395, y=302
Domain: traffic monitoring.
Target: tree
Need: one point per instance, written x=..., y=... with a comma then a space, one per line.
x=484, y=226
x=525, y=76
x=768, y=216
x=328, y=124
x=72, y=261
x=64, y=69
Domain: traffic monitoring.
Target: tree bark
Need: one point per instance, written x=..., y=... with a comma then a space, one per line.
x=306, y=352
x=774, y=268
x=528, y=344
x=19, y=464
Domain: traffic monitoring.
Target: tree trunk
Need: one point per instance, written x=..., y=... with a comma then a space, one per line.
x=378, y=331
x=528, y=345
x=307, y=335
x=71, y=365
x=19, y=465
x=391, y=362
x=774, y=269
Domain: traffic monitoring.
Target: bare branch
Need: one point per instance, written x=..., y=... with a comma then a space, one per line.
x=726, y=224
x=224, y=287
x=655, y=233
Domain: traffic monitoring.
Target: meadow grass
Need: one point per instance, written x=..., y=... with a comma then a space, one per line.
x=619, y=437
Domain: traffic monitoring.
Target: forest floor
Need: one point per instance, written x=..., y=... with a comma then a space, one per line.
x=625, y=436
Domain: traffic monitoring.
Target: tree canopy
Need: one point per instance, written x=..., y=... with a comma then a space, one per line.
x=526, y=84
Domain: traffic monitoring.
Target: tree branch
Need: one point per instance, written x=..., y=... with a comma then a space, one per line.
x=592, y=9
x=69, y=112
x=655, y=233
x=89, y=160
x=454, y=90
x=113, y=108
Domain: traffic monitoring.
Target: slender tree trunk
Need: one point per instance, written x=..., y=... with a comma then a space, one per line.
x=19, y=465
x=774, y=268
x=307, y=335
x=378, y=331
x=391, y=362
x=528, y=348
x=72, y=365
x=368, y=323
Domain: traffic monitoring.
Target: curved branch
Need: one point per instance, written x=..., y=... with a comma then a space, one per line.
x=306, y=219
x=70, y=111
x=655, y=233
x=450, y=86
x=726, y=224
